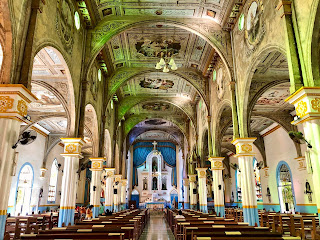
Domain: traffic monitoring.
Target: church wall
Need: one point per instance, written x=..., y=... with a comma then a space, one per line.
x=32, y=154
x=54, y=154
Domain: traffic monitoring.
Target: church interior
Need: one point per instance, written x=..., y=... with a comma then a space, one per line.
x=186, y=120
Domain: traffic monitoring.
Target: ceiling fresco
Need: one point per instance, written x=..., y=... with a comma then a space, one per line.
x=142, y=47
x=159, y=84
x=215, y=10
x=54, y=125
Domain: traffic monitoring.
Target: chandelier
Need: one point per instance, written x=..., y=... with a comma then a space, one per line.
x=165, y=63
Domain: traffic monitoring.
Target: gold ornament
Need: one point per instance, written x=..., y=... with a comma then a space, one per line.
x=109, y=174
x=6, y=103
x=246, y=148
x=316, y=104
x=202, y=174
x=192, y=178
x=301, y=109
x=96, y=165
x=71, y=148
x=22, y=108
x=217, y=164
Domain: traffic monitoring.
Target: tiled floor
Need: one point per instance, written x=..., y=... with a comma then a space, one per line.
x=157, y=229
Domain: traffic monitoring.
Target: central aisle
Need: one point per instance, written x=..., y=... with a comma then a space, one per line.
x=157, y=228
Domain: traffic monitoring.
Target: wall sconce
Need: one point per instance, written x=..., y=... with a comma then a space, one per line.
x=268, y=194
x=308, y=191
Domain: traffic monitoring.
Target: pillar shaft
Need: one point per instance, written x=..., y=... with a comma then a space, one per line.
x=202, y=181
x=186, y=193
x=108, y=193
x=193, y=196
x=95, y=191
x=124, y=183
x=116, y=197
x=179, y=177
x=245, y=154
x=218, y=185
x=72, y=155
x=307, y=104
x=13, y=108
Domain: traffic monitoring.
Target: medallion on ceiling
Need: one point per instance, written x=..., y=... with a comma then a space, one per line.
x=157, y=46
x=255, y=27
x=64, y=23
x=158, y=83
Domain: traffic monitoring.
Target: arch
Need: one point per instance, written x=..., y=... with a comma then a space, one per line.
x=134, y=102
x=24, y=189
x=282, y=165
x=157, y=130
x=243, y=112
x=53, y=182
x=111, y=26
x=92, y=127
x=204, y=147
x=124, y=75
x=71, y=113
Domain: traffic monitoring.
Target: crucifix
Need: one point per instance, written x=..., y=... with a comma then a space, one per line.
x=154, y=145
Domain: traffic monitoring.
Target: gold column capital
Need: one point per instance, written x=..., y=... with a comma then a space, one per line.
x=97, y=164
x=72, y=146
x=202, y=172
x=192, y=177
x=216, y=163
x=14, y=100
x=244, y=146
x=110, y=172
x=186, y=182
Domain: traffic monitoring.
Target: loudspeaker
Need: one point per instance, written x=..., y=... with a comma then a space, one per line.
x=219, y=186
x=194, y=191
x=115, y=191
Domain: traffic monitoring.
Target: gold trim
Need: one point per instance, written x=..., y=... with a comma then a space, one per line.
x=23, y=87
x=219, y=205
x=311, y=204
x=3, y=212
x=298, y=91
x=250, y=206
x=271, y=131
x=39, y=131
x=67, y=207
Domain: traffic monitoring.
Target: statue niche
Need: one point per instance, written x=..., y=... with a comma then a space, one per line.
x=155, y=183
x=164, y=184
x=145, y=184
x=154, y=164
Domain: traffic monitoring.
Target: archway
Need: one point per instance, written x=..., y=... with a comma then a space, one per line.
x=24, y=190
x=285, y=188
x=91, y=133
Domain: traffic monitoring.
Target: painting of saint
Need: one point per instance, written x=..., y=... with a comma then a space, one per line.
x=153, y=48
x=253, y=22
x=158, y=83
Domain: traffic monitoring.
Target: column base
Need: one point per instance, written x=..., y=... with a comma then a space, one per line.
x=204, y=208
x=250, y=215
x=3, y=219
x=219, y=211
x=66, y=216
x=179, y=205
x=95, y=212
x=123, y=206
x=193, y=206
x=108, y=207
x=186, y=205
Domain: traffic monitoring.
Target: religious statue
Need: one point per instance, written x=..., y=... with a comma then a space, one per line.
x=154, y=164
x=145, y=184
x=164, y=184
x=154, y=183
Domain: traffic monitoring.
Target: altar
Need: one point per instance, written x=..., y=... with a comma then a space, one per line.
x=155, y=205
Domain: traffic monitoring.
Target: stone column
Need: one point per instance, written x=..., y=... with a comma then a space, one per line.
x=124, y=183
x=218, y=184
x=95, y=191
x=13, y=109
x=245, y=154
x=193, y=197
x=72, y=155
x=186, y=193
x=108, y=193
x=202, y=182
x=116, y=197
x=307, y=104
x=179, y=178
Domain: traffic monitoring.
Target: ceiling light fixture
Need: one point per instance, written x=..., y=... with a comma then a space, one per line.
x=165, y=63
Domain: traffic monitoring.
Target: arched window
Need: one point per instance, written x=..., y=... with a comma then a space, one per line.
x=24, y=190
x=285, y=188
x=257, y=180
x=53, y=181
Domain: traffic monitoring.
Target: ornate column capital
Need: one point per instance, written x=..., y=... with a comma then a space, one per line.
x=117, y=177
x=186, y=182
x=97, y=163
x=124, y=182
x=302, y=163
x=216, y=163
x=307, y=104
x=192, y=177
x=244, y=146
x=72, y=147
x=202, y=172
x=110, y=172
x=43, y=171
x=14, y=100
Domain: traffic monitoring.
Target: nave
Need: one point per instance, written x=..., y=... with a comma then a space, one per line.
x=112, y=111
